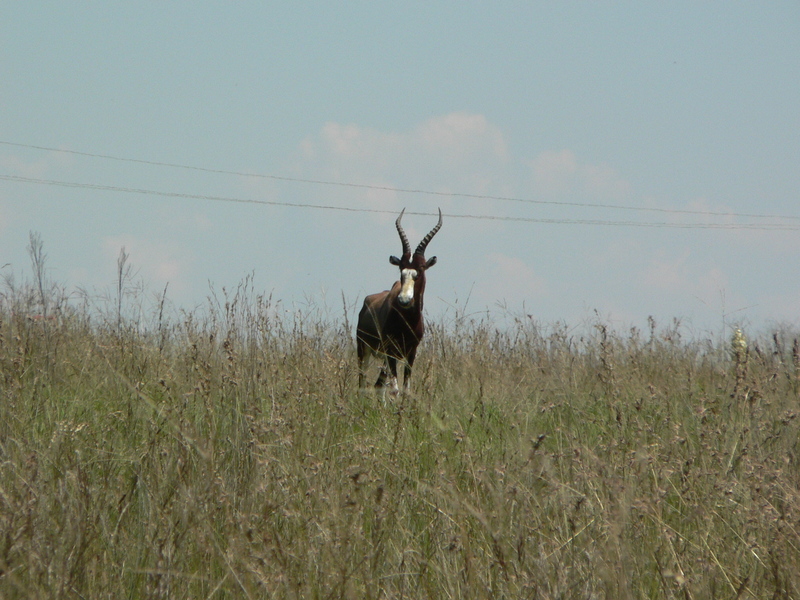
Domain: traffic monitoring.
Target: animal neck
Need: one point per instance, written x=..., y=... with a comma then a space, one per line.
x=419, y=291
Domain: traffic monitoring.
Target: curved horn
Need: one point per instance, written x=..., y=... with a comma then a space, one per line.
x=424, y=243
x=403, y=238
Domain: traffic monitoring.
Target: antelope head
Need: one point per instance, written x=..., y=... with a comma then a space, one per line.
x=413, y=266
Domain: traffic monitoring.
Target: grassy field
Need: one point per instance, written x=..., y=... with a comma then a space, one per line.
x=228, y=453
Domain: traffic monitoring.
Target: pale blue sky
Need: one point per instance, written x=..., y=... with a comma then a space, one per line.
x=679, y=106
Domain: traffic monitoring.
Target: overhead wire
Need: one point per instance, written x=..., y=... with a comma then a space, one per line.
x=131, y=190
x=705, y=213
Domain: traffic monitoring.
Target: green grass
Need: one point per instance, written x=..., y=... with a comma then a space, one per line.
x=227, y=453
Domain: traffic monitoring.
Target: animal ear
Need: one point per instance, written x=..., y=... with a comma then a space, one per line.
x=431, y=262
x=394, y=260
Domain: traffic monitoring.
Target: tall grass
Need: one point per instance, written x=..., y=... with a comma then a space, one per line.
x=227, y=453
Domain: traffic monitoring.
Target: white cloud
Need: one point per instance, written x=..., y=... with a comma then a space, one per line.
x=454, y=138
x=457, y=152
x=602, y=181
x=462, y=135
x=554, y=171
x=560, y=173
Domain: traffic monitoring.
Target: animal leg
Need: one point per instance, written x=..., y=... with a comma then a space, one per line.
x=381, y=377
x=407, y=371
x=391, y=362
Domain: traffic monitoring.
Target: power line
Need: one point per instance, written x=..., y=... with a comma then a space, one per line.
x=417, y=191
x=130, y=190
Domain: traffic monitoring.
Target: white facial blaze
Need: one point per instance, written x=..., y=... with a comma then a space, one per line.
x=406, y=296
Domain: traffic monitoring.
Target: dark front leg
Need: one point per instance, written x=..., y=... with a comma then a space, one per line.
x=381, y=381
x=389, y=372
x=407, y=370
x=392, y=362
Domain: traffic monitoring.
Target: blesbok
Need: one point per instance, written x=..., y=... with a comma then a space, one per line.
x=390, y=324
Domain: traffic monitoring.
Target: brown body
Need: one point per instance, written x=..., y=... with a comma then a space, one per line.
x=390, y=324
